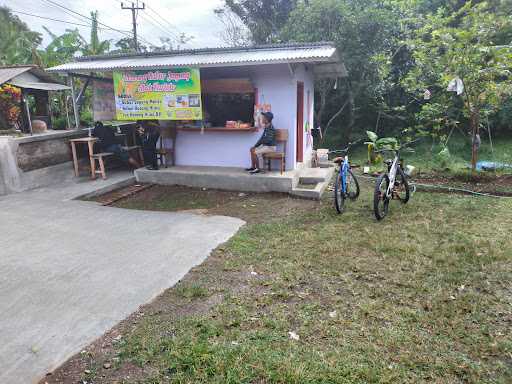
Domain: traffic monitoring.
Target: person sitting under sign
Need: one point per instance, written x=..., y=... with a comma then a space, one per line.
x=149, y=132
x=108, y=142
x=266, y=144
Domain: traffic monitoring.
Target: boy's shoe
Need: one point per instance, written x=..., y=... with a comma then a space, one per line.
x=250, y=169
x=254, y=171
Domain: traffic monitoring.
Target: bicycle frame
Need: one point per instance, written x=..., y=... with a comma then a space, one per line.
x=344, y=167
x=344, y=173
x=392, y=175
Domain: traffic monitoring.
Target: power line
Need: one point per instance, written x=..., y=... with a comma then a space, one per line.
x=150, y=19
x=88, y=18
x=164, y=20
x=135, y=10
x=49, y=18
x=139, y=35
x=160, y=25
x=68, y=13
x=156, y=23
x=125, y=33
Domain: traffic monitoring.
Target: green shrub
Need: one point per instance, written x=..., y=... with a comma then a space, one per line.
x=86, y=118
x=443, y=157
x=60, y=123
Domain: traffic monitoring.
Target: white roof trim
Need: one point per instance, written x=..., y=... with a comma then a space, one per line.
x=326, y=53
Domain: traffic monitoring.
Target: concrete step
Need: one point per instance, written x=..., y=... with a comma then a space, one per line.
x=310, y=193
x=319, y=177
x=314, y=175
x=306, y=193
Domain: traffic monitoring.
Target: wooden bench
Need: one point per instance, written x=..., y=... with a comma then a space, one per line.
x=99, y=158
x=281, y=139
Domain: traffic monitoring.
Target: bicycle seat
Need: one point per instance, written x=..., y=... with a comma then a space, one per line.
x=338, y=160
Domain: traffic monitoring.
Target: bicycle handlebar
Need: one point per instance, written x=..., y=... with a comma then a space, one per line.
x=345, y=149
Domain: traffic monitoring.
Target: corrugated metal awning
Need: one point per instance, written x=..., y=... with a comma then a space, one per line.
x=8, y=73
x=305, y=53
x=31, y=77
x=39, y=85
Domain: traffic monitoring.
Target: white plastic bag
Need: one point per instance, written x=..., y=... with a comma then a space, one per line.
x=456, y=85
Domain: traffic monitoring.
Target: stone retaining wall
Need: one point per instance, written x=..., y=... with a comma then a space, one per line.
x=33, y=161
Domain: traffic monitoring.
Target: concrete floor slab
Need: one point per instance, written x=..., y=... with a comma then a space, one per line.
x=70, y=270
x=223, y=178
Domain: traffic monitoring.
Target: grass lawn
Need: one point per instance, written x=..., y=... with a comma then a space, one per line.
x=423, y=297
x=425, y=158
x=454, y=171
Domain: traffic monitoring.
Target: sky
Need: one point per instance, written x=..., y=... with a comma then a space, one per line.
x=167, y=18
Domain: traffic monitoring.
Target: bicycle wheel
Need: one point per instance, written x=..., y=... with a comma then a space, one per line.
x=380, y=201
x=339, y=195
x=352, y=186
x=402, y=186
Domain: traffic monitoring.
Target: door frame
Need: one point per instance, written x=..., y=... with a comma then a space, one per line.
x=299, y=137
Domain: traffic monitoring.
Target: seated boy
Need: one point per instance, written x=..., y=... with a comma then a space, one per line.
x=109, y=143
x=266, y=144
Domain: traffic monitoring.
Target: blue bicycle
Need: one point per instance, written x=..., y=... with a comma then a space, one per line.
x=346, y=184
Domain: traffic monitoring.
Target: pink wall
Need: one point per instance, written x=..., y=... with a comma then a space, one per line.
x=276, y=86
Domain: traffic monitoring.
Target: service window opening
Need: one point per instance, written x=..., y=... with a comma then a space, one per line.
x=219, y=108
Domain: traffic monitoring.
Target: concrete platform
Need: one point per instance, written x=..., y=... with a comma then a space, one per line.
x=224, y=178
x=236, y=179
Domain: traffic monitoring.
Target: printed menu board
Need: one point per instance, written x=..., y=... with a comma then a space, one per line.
x=170, y=94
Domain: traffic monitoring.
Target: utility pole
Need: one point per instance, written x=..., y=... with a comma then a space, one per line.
x=134, y=8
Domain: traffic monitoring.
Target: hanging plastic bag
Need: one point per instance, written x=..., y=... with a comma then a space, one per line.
x=456, y=85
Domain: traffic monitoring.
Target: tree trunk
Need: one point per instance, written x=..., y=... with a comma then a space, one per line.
x=475, y=134
x=331, y=120
x=351, y=112
x=323, y=87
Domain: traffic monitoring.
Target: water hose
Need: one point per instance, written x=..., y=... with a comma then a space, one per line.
x=449, y=189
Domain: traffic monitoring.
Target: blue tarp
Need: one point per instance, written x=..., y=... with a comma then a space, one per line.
x=491, y=166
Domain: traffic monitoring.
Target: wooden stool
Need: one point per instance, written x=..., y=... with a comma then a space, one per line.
x=99, y=157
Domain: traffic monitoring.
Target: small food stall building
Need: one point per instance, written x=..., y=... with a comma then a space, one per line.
x=211, y=95
x=35, y=83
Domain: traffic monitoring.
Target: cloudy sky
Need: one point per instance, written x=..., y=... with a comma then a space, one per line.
x=166, y=18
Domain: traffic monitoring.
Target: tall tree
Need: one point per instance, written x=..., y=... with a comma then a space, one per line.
x=460, y=49
x=95, y=45
x=263, y=18
x=17, y=41
x=362, y=30
x=61, y=48
x=235, y=33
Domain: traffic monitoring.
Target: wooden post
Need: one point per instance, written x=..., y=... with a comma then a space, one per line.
x=73, y=100
x=49, y=106
x=27, y=111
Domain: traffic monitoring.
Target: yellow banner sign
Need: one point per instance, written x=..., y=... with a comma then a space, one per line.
x=170, y=94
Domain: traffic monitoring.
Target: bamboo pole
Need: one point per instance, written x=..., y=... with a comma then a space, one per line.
x=73, y=100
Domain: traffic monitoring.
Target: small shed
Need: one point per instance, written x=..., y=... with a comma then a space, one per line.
x=33, y=81
x=233, y=81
